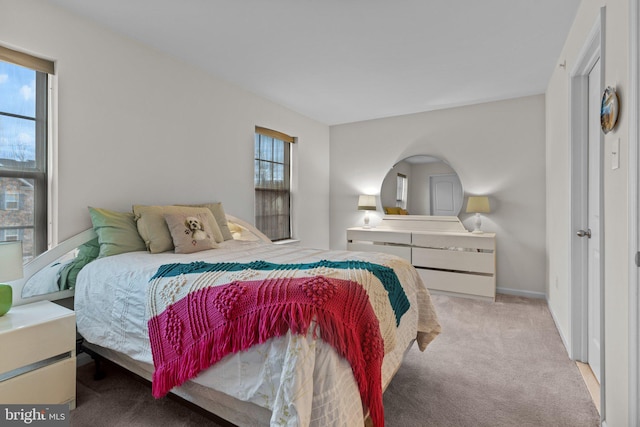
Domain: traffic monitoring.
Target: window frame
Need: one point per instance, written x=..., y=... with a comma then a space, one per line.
x=401, y=190
x=39, y=175
x=276, y=223
x=8, y=200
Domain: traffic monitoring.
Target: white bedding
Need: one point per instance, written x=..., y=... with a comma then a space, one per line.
x=301, y=380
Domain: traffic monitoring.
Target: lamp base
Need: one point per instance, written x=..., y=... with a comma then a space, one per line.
x=6, y=299
x=366, y=220
x=477, y=223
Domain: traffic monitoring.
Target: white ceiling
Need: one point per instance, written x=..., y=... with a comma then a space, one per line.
x=340, y=61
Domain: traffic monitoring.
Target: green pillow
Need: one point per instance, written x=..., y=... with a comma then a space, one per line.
x=86, y=253
x=117, y=232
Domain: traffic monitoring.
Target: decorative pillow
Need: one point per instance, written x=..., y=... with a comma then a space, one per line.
x=191, y=232
x=117, y=232
x=241, y=233
x=391, y=210
x=221, y=218
x=87, y=252
x=154, y=230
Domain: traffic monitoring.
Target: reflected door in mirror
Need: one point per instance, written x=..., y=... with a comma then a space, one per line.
x=446, y=194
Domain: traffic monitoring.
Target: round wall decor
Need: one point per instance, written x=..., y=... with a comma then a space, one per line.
x=609, y=109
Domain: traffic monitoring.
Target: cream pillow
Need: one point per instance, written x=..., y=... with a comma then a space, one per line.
x=241, y=233
x=153, y=228
x=191, y=232
x=221, y=218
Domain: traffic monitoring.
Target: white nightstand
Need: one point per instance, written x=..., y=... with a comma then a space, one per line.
x=38, y=355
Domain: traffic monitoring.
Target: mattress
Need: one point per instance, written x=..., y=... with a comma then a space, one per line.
x=300, y=380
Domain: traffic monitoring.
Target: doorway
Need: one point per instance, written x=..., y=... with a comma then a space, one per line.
x=592, y=232
x=586, y=291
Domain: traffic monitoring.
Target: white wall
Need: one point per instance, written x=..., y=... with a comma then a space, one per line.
x=497, y=149
x=615, y=233
x=136, y=126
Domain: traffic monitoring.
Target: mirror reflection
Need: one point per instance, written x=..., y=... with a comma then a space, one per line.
x=49, y=279
x=60, y=275
x=422, y=185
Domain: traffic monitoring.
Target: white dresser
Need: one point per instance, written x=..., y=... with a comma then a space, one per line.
x=447, y=257
x=38, y=355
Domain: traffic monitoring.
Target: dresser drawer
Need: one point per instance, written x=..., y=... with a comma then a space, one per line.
x=377, y=235
x=443, y=259
x=468, y=284
x=53, y=384
x=401, y=251
x=454, y=240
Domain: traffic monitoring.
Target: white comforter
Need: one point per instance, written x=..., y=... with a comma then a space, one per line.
x=301, y=380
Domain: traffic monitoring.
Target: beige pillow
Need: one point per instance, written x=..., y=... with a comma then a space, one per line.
x=153, y=228
x=221, y=218
x=191, y=232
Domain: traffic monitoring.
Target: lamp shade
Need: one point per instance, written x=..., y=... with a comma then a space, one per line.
x=478, y=204
x=366, y=202
x=10, y=261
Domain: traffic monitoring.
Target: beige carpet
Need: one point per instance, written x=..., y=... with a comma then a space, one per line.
x=495, y=364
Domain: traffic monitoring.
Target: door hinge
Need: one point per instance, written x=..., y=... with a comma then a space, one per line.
x=637, y=259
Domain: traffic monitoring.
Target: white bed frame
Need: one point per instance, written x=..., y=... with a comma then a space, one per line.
x=221, y=405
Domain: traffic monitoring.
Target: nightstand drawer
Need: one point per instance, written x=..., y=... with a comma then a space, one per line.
x=53, y=384
x=32, y=335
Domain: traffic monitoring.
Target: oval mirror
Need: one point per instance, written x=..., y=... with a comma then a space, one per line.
x=422, y=185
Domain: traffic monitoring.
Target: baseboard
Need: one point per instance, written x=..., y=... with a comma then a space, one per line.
x=562, y=337
x=521, y=293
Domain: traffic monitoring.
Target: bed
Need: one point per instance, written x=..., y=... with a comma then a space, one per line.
x=353, y=317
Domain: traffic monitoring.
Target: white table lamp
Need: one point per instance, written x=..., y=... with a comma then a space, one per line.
x=366, y=203
x=478, y=205
x=10, y=269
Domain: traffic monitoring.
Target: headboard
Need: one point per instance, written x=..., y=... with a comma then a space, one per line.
x=67, y=250
x=44, y=260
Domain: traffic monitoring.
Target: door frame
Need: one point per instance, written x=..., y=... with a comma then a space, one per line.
x=634, y=213
x=592, y=50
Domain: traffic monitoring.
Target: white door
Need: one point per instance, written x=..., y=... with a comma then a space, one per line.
x=445, y=194
x=594, y=209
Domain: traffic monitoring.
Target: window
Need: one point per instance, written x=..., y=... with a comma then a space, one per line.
x=11, y=235
x=401, y=191
x=11, y=201
x=272, y=183
x=24, y=129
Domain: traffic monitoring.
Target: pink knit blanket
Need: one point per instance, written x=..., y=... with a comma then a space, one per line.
x=207, y=324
